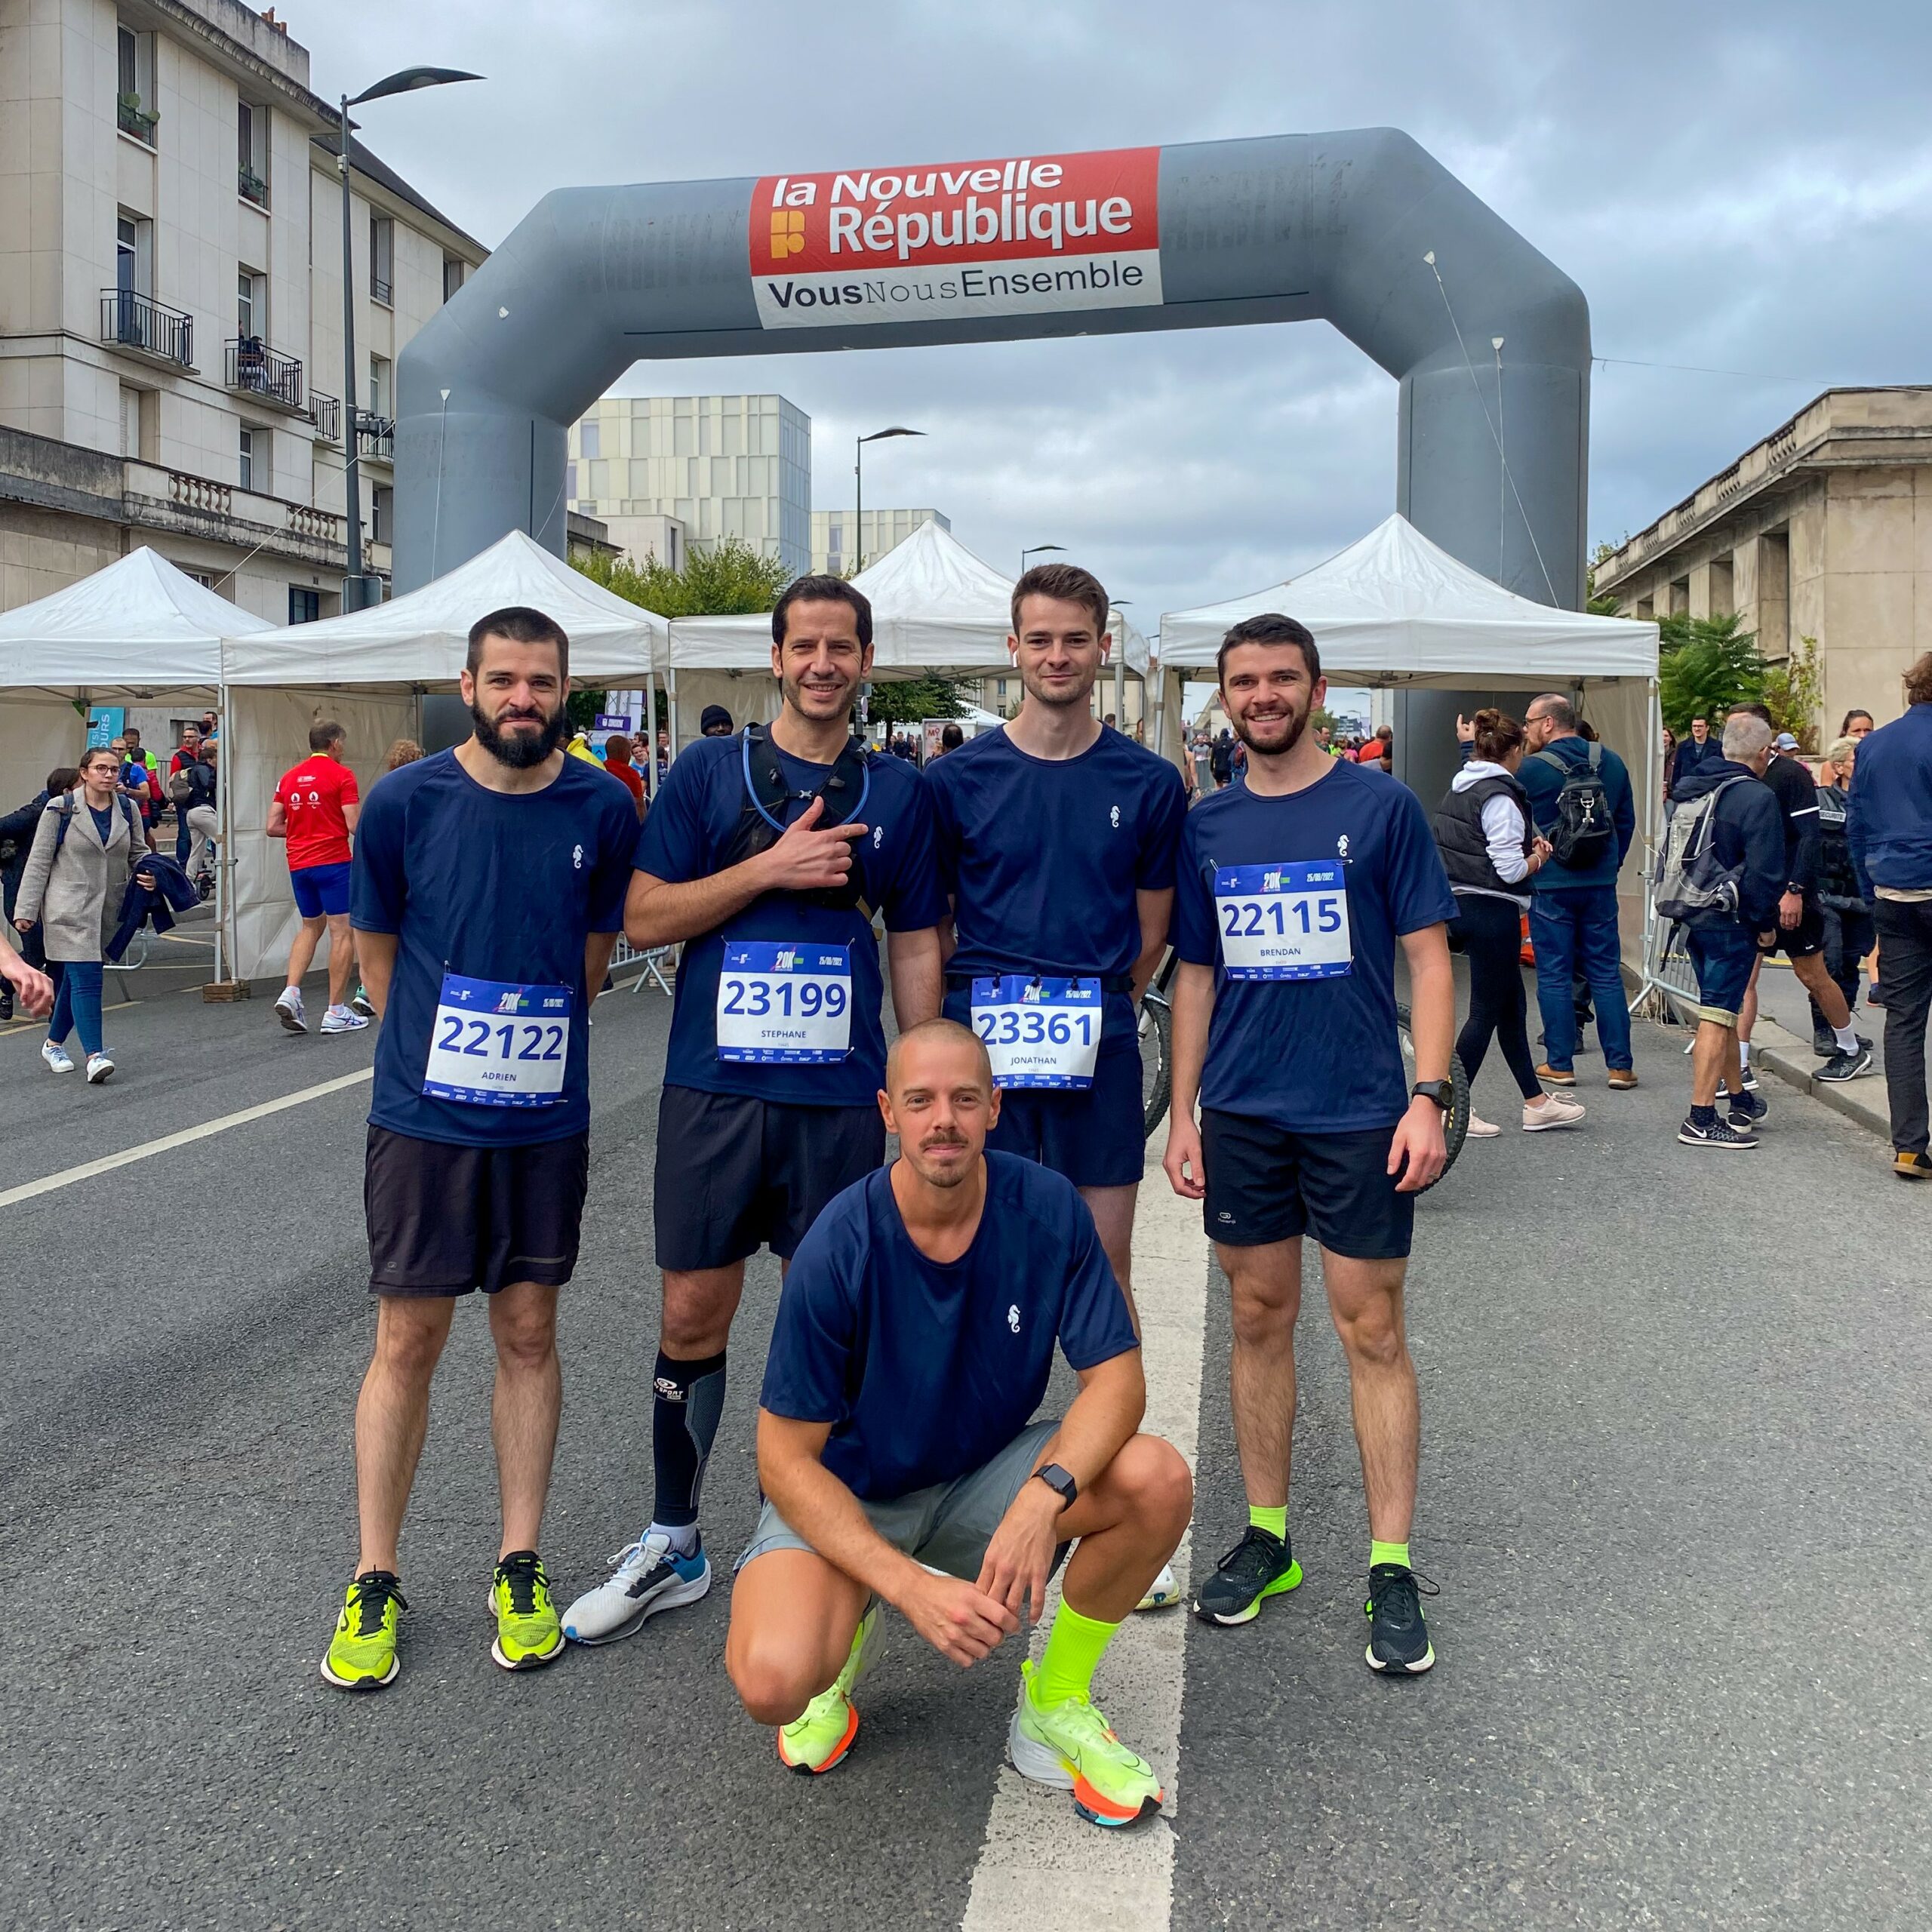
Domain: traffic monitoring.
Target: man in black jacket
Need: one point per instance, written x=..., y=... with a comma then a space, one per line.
x=1699, y=752
x=1746, y=837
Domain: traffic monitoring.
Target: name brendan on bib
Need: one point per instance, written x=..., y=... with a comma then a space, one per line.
x=996, y=237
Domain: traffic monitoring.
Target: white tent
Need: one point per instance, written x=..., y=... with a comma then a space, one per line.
x=368, y=670
x=937, y=609
x=137, y=630
x=1394, y=609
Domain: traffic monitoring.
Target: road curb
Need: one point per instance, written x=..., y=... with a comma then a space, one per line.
x=1782, y=1052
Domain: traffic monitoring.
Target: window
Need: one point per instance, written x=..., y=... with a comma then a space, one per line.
x=130, y=78
x=131, y=423
x=127, y=254
x=383, y=513
x=455, y=268
x=570, y=482
x=251, y=156
x=382, y=260
x=254, y=453
x=305, y=607
x=134, y=85
x=251, y=304
x=379, y=385
x=589, y=442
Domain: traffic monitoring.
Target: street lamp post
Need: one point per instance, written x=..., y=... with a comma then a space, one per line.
x=859, y=488
x=359, y=589
x=1038, y=550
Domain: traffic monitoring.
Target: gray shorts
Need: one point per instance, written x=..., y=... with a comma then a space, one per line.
x=946, y=1527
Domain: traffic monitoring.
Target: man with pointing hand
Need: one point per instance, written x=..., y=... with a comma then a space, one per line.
x=766, y=854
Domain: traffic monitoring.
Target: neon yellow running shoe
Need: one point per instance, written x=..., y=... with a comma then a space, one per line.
x=818, y=1739
x=361, y=1654
x=1072, y=1748
x=529, y=1634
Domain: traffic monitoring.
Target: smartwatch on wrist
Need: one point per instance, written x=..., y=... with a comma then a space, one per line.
x=1442, y=1092
x=1062, y=1485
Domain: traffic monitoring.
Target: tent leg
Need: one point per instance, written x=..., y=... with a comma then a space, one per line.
x=224, y=897
x=671, y=691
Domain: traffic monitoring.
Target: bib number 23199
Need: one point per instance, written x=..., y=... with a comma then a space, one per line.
x=790, y=1005
x=1039, y=1032
x=495, y=1044
x=1283, y=922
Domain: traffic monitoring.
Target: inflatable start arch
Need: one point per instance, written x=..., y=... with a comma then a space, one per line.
x=1355, y=227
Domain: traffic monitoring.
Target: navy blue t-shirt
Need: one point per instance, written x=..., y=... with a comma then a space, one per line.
x=492, y=885
x=926, y=1370
x=685, y=837
x=1043, y=857
x=1309, y=1054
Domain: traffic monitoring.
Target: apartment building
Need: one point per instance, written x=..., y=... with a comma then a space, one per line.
x=171, y=367
x=835, y=545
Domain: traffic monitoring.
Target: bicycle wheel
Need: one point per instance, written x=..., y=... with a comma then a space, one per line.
x=1455, y=1122
x=1156, y=1062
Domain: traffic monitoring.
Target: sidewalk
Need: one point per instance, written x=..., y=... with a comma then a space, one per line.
x=1781, y=1044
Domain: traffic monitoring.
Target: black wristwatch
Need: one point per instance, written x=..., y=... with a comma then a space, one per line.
x=1062, y=1485
x=1442, y=1092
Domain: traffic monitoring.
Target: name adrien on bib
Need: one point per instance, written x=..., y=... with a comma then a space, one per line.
x=992, y=238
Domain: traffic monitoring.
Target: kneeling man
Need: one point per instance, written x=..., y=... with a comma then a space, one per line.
x=898, y=1457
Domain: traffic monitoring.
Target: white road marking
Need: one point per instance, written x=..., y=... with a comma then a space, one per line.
x=108, y=1163
x=1039, y=1864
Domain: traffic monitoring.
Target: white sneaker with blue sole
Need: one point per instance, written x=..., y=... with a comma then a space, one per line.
x=648, y=1576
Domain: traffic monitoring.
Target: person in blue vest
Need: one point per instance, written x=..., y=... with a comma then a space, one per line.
x=1580, y=798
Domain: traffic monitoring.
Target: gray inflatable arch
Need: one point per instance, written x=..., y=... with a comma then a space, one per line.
x=1286, y=228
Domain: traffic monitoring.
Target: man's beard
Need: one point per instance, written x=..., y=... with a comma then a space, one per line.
x=1068, y=700
x=519, y=750
x=1297, y=726
x=944, y=1178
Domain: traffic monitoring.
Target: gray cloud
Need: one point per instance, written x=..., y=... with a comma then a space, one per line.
x=1747, y=193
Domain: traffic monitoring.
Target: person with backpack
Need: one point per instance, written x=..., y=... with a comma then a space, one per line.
x=182, y=765
x=1849, y=933
x=84, y=850
x=1722, y=873
x=1580, y=800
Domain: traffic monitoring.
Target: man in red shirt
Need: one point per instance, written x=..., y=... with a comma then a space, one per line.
x=314, y=809
x=617, y=763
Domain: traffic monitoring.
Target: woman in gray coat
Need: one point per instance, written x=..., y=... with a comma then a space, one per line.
x=84, y=850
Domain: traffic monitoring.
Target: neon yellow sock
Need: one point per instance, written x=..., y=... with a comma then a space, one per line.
x=1388, y=1552
x=1074, y=1647
x=1274, y=1522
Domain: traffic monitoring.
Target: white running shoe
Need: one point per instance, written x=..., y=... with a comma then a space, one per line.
x=1556, y=1110
x=99, y=1067
x=57, y=1058
x=1480, y=1129
x=650, y=1576
x=1164, y=1590
x=288, y=1010
x=342, y=1020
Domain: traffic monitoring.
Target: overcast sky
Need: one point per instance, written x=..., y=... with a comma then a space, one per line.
x=1743, y=190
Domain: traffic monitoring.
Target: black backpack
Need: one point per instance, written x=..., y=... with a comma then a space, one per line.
x=761, y=822
x=1582, y=831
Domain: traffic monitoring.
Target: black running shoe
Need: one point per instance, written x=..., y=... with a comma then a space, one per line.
x=1753, y=1106
x=1397, y=1638
x=1843, y=1066
x=1260, y=1565
x=1823, y=1045
x=1720, y=1134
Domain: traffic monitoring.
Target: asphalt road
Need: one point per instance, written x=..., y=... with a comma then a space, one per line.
x=1676, y=1447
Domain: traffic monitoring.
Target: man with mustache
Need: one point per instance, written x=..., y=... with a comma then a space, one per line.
x=1295, y=887
x=899, y=1456
x=766, y=854
x=487, y=897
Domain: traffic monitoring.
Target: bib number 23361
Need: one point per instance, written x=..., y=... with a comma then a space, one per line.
x=785, y=1004
x=1283, y=922
x=494, y=1044
x=1039, y=1032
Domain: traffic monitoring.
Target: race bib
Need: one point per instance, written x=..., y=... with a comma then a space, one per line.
x=1283, y=922
x=494, y=1044
x=1039, y=1032
x=788, y=1005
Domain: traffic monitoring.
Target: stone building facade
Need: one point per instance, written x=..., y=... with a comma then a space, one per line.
x=1823, y=530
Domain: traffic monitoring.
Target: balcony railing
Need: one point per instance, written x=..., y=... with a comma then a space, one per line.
x=380, y=291
x=326, y=412
x=375, y=436
x=251, y=187
x=132, y=119
x=137, y=322
x=254, y=367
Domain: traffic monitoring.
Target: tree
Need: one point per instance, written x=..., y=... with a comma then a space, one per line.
x=1793, y=691
x=1706, y=666
x=905, y=701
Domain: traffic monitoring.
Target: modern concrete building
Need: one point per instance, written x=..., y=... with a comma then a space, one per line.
x=832, y=547
x=170, y=302
x=718, y=466
x=1823, y=530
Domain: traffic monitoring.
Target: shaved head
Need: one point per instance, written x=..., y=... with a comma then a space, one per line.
x=940, y=1100
x=918, y=1041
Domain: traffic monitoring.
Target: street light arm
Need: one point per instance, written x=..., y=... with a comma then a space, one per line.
x=409, y=80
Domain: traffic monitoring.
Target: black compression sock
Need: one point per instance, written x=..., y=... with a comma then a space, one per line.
x=683, y=1424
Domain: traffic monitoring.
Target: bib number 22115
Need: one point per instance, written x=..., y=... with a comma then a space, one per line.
x=1283, y=922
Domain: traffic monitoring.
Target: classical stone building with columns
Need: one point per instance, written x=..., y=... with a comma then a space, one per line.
x=1823, y=530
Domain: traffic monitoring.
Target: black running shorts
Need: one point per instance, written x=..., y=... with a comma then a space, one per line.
x=1266, y=1184
x=735, y=1174
x=1801, y=940
x=445, y=1220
